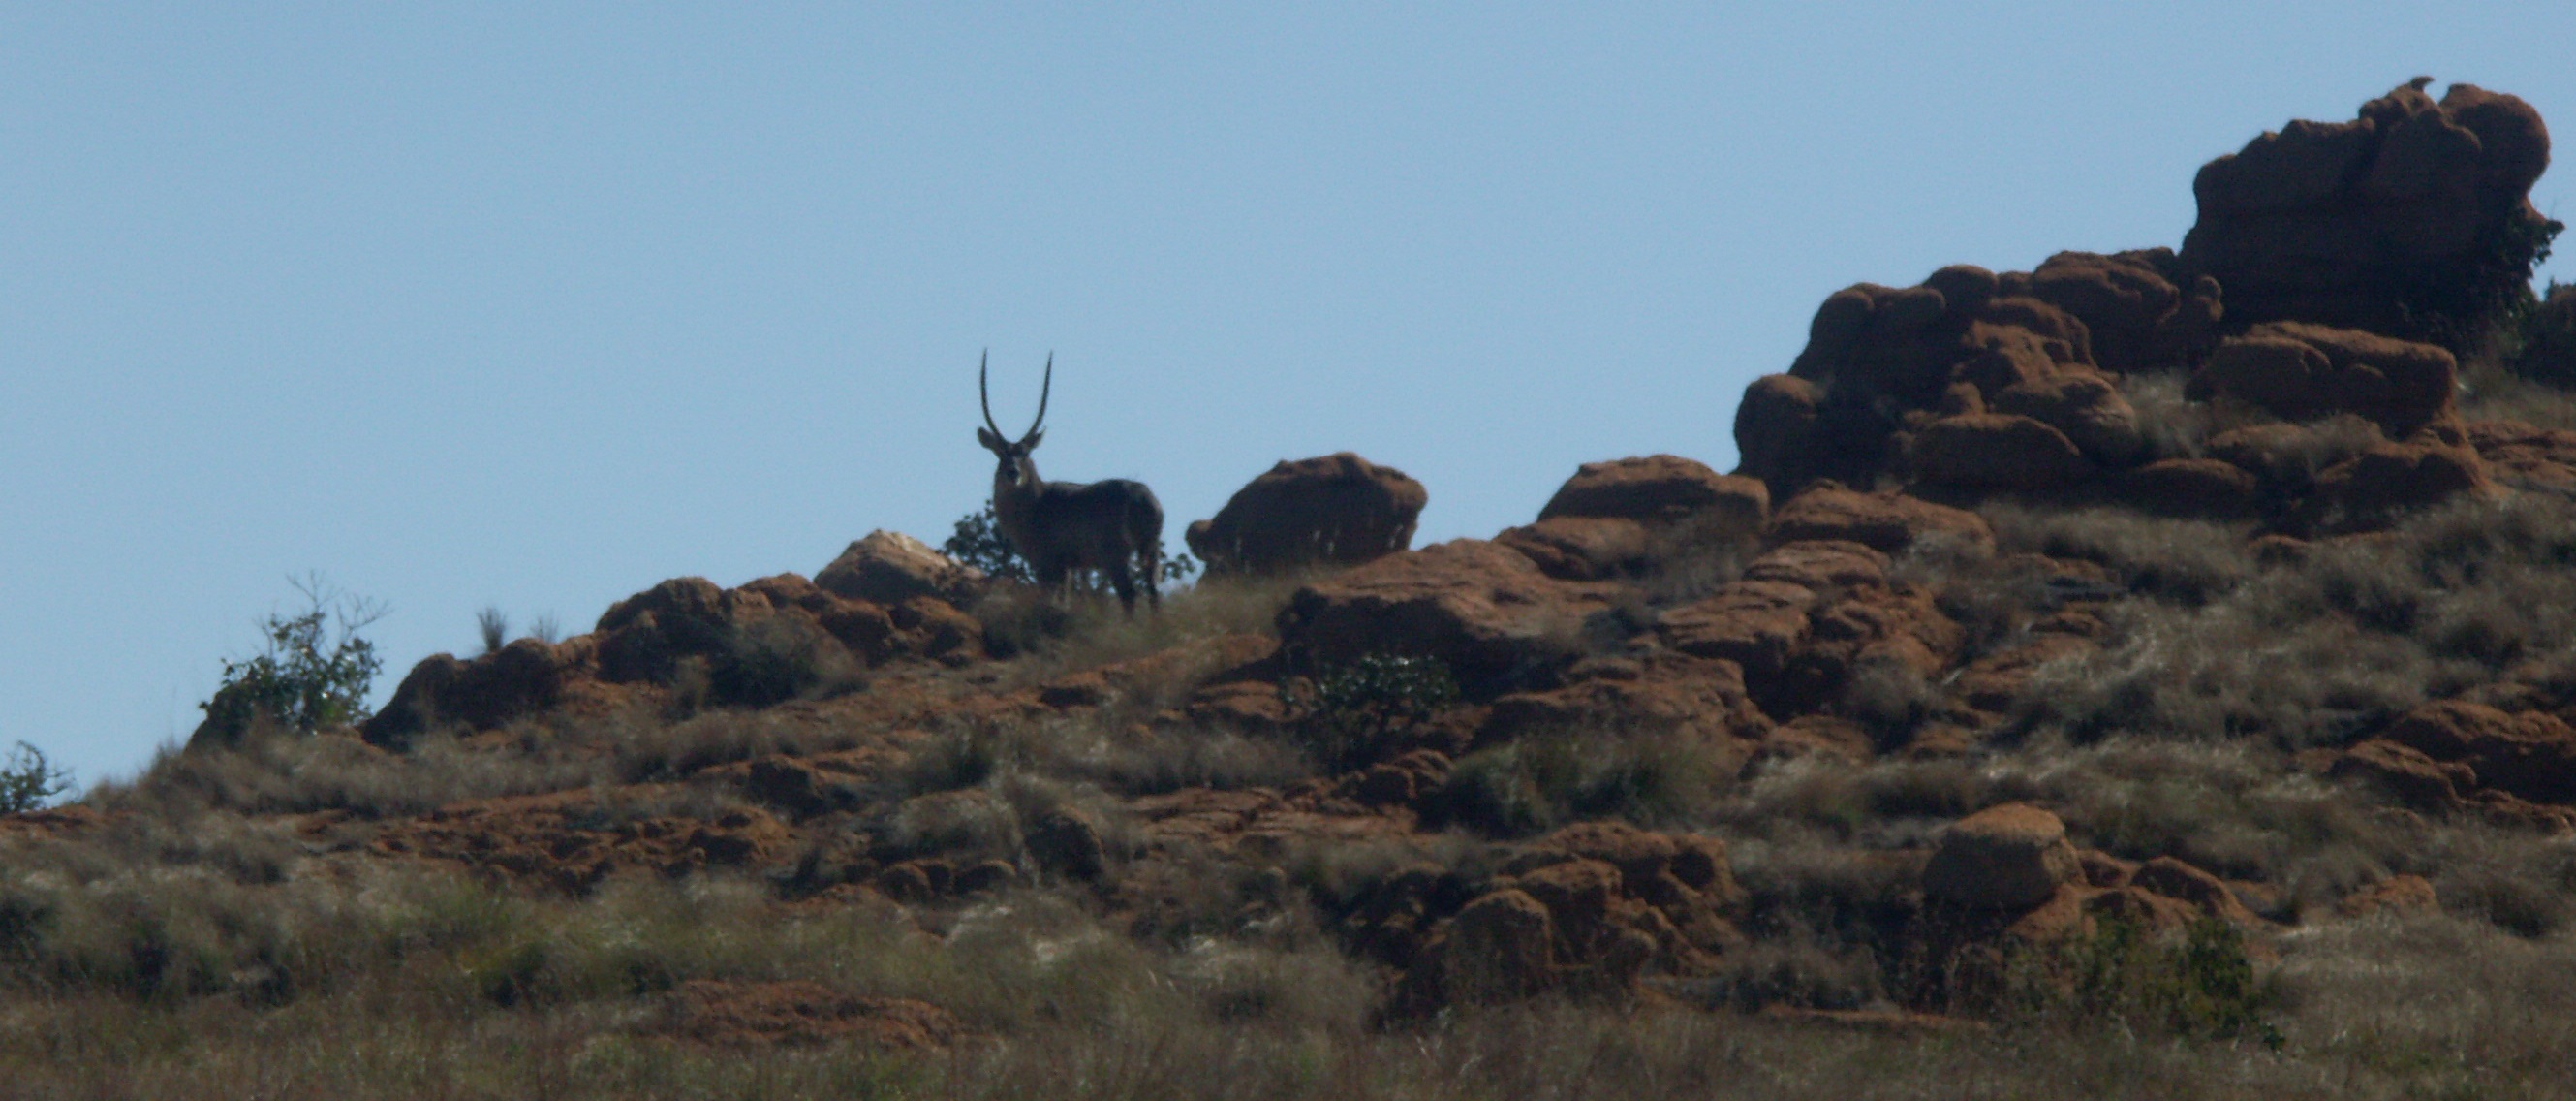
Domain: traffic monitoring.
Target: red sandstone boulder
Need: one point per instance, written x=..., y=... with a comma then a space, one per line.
x=1587, y=548
x=1880, y=361
x=2142, y=312
x=2405, y=772
x=2003, y=857
x=1482, y=608
x=1586, y=911
x=1758, y=625
x=1703, y=701
x=890, y=567
x=1901, y=627
x=524, y=678
x=1775, y=425
x=1888, y=522
x=2372, y=489
x=2175, y=879
x=1660, y=487
x=2531, y=755
x=1339, y=509
x=1819, y=564
x=2302, y=372
x=1997, y=451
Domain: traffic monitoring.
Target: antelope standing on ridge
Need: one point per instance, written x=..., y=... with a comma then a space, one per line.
x=1061, y=527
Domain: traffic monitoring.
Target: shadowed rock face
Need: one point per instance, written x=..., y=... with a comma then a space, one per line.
x=2393, y=222
x=2002, y=857
x=1338, y=509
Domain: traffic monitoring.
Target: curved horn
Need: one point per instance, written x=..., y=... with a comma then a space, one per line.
x=1047, y=388
x=986, y=393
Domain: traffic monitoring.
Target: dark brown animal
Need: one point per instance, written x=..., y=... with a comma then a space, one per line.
x=1111, y=526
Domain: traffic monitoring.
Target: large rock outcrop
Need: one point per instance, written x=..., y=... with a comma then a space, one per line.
x=1337, y=509
x=1970, y=379
x=2413, y=219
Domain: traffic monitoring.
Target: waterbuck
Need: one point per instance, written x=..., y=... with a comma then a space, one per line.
x=1060, y=527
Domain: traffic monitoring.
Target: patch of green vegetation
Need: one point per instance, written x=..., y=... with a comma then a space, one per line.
x=2201, y=985
x=1351, y=712
x=29, y=781
x=313, y=671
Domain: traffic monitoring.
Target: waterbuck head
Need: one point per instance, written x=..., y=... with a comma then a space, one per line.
x=1016, y=468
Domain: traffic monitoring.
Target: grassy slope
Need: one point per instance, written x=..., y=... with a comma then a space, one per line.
x=222, y=928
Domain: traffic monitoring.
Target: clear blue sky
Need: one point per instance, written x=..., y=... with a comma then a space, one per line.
x=535, y=305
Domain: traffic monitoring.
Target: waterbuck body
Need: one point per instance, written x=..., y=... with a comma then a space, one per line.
x=1113, y=526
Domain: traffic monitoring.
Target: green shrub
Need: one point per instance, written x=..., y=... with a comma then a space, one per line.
x=1352, y=711
x=313, y=672
x=977, y=541
x=2471, y=303
x=2202, y=985
x=28, y=781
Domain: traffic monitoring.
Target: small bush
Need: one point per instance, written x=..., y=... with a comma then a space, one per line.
x=2475, y=302
x=314, y=671
x=1352, y=711
x=977, y=542
x=2202, y=985
x=28, y=781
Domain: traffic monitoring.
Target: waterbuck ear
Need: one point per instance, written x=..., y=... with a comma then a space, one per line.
x=986, y=437
x=1031, y=444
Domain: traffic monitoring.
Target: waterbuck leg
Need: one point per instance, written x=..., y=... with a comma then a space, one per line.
x=1123, y=579
x=1154, y=578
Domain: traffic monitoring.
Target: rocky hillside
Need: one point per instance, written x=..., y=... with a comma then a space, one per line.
x=2146, y=675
